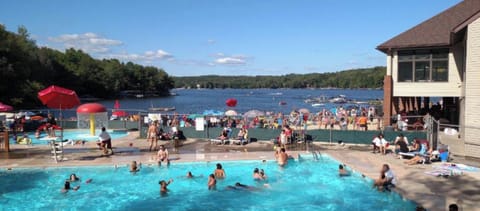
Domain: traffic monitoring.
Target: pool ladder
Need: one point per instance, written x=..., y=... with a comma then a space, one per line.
x=315, y=155
x=57, y=150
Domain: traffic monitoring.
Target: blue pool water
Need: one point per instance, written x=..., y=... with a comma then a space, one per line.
x=305, y=185
x=71, y=135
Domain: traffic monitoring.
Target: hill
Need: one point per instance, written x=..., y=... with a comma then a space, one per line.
x=348, y=79
x=26, y=69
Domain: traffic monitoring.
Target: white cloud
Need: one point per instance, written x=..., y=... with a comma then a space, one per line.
x=211, y=42
x=222, y=59
x=88, y=42
x=148, y=56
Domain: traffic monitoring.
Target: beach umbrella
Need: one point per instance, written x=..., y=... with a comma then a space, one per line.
x=212, y=113
x=5, y=107
x=231, y=113
x=304, y=111
x=194, y=116
x=253, y=113
x=58, y=97
x=120, y=113
x=231, y=102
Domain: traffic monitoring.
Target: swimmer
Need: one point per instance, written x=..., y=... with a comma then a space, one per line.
x=342, y=171
x=67, y=187
x=74, y=178
x=163, y=186
x=282, y=158
x=256, y=174
x=134, y=168
x=212, y=182
x=262, y=174
x=219, y=172
x=189, y=174
x=240, y=186
x=88, y=181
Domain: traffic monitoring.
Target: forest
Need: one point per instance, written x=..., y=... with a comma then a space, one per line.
x=348, y=79
x=26, y=69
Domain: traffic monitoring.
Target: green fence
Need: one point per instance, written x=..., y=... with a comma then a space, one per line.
x=351, y=136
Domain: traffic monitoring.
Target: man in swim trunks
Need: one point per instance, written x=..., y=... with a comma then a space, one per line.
x=162, y=155
x=152, y=135
x=219, y=172
x=282, y=158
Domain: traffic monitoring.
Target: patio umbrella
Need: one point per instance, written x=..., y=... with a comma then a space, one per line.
x=253, y=113
x=58, y=97
x=5, y=107
x=231, y=113
x=120, y=113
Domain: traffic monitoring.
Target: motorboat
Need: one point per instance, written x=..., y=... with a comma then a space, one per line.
x=319, y=99
x=318, y=104
x=339, y=100
x=162, y=109
x=282, y=103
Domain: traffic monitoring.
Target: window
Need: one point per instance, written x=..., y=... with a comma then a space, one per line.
x=423, y=65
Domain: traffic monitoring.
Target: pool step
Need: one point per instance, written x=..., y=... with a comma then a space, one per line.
x=57, y=150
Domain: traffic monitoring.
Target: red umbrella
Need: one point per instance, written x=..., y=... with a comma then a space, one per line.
x=232, y=102
x=58, y=97
x=120, y=113
x=5, y=107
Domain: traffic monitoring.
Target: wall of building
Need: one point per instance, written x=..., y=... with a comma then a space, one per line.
x=452, y=88
x=472, y=90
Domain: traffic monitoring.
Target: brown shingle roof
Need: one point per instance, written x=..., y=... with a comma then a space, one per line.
x=435, y=31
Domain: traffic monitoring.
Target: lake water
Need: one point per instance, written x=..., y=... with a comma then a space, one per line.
x=198, y=100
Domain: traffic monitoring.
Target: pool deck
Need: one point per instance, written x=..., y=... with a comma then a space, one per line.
x=433, y=193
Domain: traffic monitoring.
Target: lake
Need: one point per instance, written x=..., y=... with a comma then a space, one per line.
x=197, y=100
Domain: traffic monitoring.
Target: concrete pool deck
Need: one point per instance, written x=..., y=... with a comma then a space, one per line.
x=433, y=193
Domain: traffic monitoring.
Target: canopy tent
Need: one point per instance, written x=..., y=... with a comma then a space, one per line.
x=5, y=107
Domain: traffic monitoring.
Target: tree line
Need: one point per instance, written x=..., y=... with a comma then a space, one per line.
x=26, y=69
x=347, y=79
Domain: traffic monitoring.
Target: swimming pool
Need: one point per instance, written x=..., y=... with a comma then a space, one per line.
x=304, y=185
x=71, y=135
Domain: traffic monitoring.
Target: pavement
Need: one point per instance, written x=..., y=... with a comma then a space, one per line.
x=431, y=192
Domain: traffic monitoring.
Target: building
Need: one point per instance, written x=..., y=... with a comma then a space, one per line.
x=439, y=58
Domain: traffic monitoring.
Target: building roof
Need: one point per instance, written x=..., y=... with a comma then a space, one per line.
x=436, y=31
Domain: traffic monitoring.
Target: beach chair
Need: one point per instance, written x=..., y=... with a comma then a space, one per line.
x=241, y=141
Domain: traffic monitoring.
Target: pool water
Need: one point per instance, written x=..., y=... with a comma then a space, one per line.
x=304, y=185
x=70, y=135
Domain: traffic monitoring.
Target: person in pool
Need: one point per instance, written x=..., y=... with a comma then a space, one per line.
x=282, y=158
x=212, y=182
x=240, y=186
x=342, y=171
x=256, y=174
x=134, y=167
x=163, y=186
x=219, y=173
x=73, y=178
x=189, y=175
x=67, y=187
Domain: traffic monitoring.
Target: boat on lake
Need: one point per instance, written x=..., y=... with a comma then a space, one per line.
x=162, y=109
x=318, y=104
x=314, y=100
x=341, y=99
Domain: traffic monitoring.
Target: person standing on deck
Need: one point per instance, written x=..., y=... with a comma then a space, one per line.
x=152, y=135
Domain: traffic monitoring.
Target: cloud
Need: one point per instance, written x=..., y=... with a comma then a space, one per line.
x=88, y=42
x=148, y=56
x=211, y=42
x=222, y=59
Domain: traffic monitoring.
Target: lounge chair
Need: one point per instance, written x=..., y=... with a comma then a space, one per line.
x=241, y=141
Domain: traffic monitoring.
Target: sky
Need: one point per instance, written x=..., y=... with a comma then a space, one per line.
x=223, y=37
